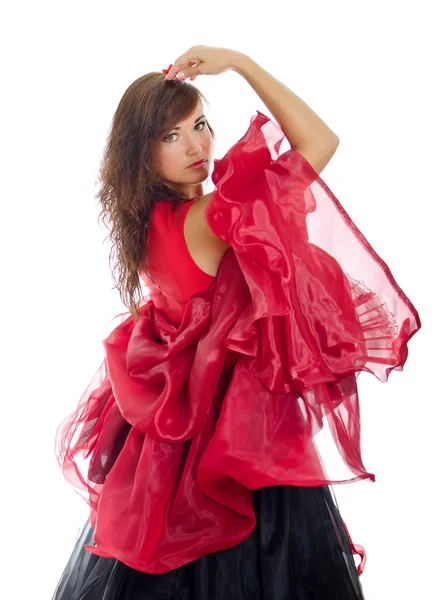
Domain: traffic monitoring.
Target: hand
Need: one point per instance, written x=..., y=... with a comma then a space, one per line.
x=202, y=60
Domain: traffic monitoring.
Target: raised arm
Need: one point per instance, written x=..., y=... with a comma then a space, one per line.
x=306, y=132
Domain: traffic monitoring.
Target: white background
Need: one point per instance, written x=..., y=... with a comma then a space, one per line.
x=368, y=70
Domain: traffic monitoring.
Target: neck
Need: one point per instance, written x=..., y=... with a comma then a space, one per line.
x=193, y=191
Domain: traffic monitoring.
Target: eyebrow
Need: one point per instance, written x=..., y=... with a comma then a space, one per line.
x=196, y=120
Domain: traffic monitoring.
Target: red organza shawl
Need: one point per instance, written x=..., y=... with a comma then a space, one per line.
x=256, y=386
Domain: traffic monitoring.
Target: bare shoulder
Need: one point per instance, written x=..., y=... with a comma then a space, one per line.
x=198, y=207
x=196, y=225
x=204, y=201
x=203, y=245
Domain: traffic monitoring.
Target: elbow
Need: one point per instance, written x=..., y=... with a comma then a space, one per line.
x=333, y=142
x=318, y=155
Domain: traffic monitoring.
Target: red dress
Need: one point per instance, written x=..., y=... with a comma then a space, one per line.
x=241, y=381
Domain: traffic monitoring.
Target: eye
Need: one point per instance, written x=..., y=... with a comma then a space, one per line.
x=166, y=139
x=200, y=123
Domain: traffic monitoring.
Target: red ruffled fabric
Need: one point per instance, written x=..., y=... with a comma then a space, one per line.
x=182, y=422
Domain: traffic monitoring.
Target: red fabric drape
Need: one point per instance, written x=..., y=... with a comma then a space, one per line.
x=256, y=386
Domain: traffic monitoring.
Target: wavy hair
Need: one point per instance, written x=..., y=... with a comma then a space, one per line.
x=129, y=182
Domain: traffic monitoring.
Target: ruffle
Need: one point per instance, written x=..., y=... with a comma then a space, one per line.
x=182, y=422
x=303, y=258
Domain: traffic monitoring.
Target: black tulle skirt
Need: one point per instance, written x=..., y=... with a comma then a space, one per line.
x=299, y=550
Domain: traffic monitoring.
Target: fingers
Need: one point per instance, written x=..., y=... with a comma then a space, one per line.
x=176, y=67
x=184, y=61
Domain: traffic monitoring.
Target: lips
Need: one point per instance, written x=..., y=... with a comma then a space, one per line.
x=198, y=162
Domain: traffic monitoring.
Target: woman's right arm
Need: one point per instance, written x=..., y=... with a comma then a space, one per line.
x=306, y=132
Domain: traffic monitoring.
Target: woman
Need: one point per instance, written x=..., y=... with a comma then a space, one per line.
x=203, y=430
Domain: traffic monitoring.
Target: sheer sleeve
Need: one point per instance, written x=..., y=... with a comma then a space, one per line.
x=304, y=260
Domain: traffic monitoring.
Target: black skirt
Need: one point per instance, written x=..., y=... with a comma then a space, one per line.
x=299, y=550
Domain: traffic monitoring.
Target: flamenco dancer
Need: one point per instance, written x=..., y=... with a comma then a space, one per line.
x=207, y=444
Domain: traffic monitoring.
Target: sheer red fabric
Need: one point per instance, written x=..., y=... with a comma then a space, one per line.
x=250, y=383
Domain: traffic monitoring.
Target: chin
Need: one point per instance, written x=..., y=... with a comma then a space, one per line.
x=202, y=176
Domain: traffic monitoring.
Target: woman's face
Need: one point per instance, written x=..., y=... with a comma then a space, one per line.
x=189, y=141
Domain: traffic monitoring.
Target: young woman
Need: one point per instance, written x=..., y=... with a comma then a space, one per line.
x=200, y=445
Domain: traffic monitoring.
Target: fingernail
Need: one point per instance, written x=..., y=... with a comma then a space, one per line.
x=181, y=75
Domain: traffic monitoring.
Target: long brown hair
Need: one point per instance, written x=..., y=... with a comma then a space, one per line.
x=130, y=185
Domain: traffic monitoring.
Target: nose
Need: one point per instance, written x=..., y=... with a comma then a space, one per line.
x=194, y=148
x=193, y=144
